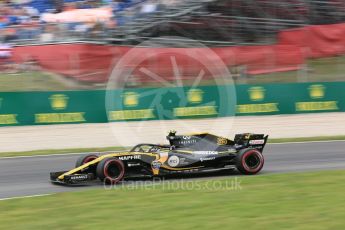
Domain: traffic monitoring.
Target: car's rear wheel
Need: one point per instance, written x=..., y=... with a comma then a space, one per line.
x=249, y=161
x=86, y=159
x=111, y=170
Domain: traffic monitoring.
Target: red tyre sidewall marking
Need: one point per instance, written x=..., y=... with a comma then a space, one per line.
x=119, y=165
x=89, y=158
x=246, y=155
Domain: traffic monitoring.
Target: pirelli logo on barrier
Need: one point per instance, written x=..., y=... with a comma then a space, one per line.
x=317, y=93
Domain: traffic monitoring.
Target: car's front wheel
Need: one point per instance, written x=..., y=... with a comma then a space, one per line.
x=249, y=161
x=111, y=170
x=86, y=159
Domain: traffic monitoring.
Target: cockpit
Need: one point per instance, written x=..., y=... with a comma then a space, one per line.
x=149, y=148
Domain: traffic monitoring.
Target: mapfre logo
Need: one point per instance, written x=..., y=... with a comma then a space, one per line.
x=132, y=157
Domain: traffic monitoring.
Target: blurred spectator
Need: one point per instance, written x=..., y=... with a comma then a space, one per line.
x=5, y=57
x=58, y=4
x=149, y=7
x=5, y=51
x=22, y=19
x=48, y=34
x=8, y=34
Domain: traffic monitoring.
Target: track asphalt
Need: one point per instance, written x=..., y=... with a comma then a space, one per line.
x=29, y=176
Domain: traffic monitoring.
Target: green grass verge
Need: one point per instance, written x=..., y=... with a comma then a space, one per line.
x=105, y=149
x=277, y=201
x=60, y=151
x=320, y=70
x=306, y=139
x=323, y=69
x=29, y=81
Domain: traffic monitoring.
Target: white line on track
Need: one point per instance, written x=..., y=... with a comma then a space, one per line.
x=71, y=154
x=306, y=142
x=56, y=155
x=48, y=155
x=22, y=197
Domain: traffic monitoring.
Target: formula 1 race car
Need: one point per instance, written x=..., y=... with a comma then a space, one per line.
x=185, y=154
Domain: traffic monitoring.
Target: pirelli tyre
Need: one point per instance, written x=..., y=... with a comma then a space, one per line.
x=86, y=159
x=249, y=161
x=110, y=170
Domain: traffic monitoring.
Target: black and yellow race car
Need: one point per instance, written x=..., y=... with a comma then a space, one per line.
x=185, y=154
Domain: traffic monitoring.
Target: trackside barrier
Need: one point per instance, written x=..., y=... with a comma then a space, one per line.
x=63, y=107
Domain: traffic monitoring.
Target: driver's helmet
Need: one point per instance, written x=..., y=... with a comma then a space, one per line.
x=172, y=133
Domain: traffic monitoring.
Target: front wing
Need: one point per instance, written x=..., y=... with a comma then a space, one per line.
x=71, y=179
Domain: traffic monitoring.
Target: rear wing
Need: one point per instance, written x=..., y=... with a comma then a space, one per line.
x=257, y=141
